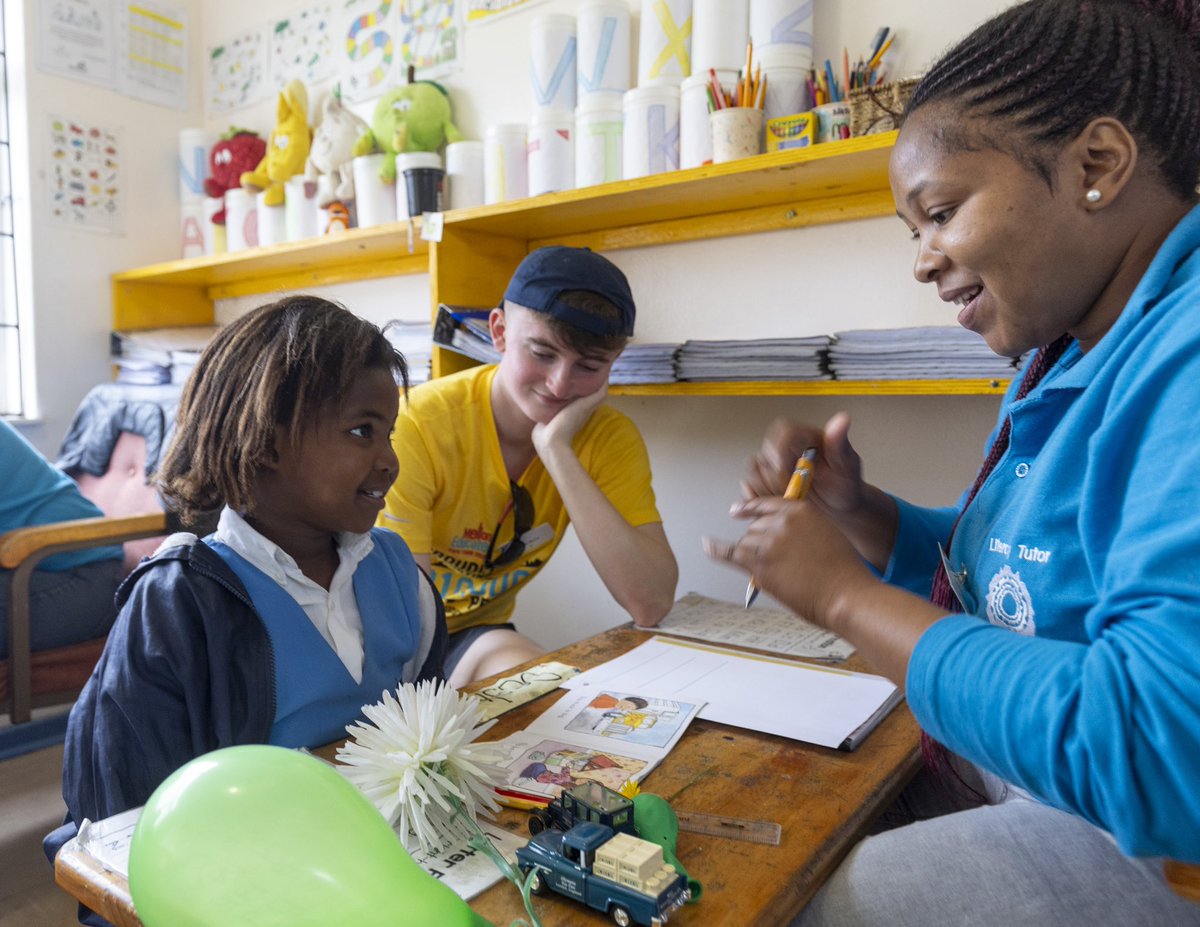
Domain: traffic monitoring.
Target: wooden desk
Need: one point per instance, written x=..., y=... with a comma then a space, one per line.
x=823, y=799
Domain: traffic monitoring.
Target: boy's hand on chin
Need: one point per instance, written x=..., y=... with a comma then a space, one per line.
x=560, y=431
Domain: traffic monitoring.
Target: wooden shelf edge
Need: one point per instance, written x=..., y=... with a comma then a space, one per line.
x=352, y=246
x=979, y=387
x=777, y=161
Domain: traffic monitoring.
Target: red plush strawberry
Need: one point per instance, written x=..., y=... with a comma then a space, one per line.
x=238, y=151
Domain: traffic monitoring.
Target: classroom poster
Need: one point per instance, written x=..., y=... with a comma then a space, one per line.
x=481, y=11
x=237, y=71
x=366, y=47
x=75, y=39
x=152, y=52
x=302, y=47
x=430, y=36
x=83, y=176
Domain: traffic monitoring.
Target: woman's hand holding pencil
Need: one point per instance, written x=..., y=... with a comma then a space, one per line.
x=797, y=489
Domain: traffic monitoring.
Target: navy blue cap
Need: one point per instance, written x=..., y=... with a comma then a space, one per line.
x=547, y=273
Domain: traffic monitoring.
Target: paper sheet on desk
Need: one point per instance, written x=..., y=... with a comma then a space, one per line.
x=771, y=629
x=465, y=870
x=818, y=704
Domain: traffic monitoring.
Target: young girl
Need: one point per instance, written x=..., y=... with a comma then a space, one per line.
x=1047, y=172
x=278, y=627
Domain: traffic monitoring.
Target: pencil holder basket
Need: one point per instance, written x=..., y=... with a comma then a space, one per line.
x=875, y=109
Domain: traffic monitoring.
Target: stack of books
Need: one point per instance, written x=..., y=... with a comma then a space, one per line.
x=161, y=355
x=929, y=353
x=645, y=363
x=415, y=341
x=757, y=359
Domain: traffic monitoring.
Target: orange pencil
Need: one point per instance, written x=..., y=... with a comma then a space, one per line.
x=846, y=69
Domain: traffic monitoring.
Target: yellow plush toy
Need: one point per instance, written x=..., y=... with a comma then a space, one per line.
x=287, y=147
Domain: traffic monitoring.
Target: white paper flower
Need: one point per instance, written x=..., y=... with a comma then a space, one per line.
x=417, y=756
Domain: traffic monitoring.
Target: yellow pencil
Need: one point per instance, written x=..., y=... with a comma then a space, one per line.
x=747, y=75
x=797, y=488
x=874, y=62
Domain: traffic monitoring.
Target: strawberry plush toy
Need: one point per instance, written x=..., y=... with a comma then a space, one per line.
x=238, y=151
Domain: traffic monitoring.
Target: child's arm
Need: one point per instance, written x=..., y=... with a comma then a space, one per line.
x=634, y=562
x=169, y=686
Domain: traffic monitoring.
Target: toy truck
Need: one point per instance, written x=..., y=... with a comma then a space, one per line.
x=617, y=873
x=589, y=801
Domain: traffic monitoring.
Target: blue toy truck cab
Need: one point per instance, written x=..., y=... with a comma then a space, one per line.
x=589, y=801
x=564, y=862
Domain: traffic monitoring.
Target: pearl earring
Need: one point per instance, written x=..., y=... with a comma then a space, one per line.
x=1093, y=195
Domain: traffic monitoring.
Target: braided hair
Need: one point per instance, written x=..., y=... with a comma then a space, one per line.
x=1044, y=69
x=278, y=365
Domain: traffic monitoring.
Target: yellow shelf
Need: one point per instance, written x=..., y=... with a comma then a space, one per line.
x=834, y=182
x=817, y=388
x=480, y=247
x=183, y=292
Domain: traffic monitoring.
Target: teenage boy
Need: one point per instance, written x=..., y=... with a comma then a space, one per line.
x=497, y=460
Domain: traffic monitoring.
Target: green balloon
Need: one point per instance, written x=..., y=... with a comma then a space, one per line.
x=258, y=836
x=657, y=822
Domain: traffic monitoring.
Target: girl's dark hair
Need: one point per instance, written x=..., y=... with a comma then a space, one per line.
x=1044, y=69
x=277, y=365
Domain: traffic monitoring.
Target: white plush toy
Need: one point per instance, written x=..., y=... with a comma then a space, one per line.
x=332, y=150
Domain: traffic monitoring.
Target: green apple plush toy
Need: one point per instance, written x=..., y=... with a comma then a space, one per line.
x=414, y=117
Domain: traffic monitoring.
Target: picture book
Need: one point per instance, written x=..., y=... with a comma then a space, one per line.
x=604, y=735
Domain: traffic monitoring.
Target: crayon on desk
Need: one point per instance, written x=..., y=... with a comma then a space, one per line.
x=797, y=488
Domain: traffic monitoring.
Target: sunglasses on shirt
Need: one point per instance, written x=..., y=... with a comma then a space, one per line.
x=521, y=506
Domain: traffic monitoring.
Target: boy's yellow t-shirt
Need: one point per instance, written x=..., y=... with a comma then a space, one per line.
x=452, y=492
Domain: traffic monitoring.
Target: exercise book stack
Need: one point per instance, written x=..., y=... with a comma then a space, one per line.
x=754, y=359
x=645, y=363
x=933, y=352
x=156, y=356
x=415, y=341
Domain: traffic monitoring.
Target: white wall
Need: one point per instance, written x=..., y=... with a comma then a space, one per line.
x=794, y=282
x=71, y=291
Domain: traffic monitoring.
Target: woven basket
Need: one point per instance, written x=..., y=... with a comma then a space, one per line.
x=874, y=109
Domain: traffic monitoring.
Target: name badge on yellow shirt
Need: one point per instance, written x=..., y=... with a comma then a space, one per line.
x=537, y=537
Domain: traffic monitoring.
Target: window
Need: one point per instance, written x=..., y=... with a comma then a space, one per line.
x=11, y=396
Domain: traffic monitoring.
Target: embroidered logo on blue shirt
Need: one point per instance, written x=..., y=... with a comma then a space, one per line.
x=1008, y=602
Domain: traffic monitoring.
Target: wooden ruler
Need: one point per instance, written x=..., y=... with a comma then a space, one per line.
x=717, y=825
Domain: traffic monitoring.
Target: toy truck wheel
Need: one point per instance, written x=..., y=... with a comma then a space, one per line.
x=537, y=884
x=620, y=916
x=538, y=821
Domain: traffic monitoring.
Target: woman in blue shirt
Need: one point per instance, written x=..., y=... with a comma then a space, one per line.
x=1047, y=170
